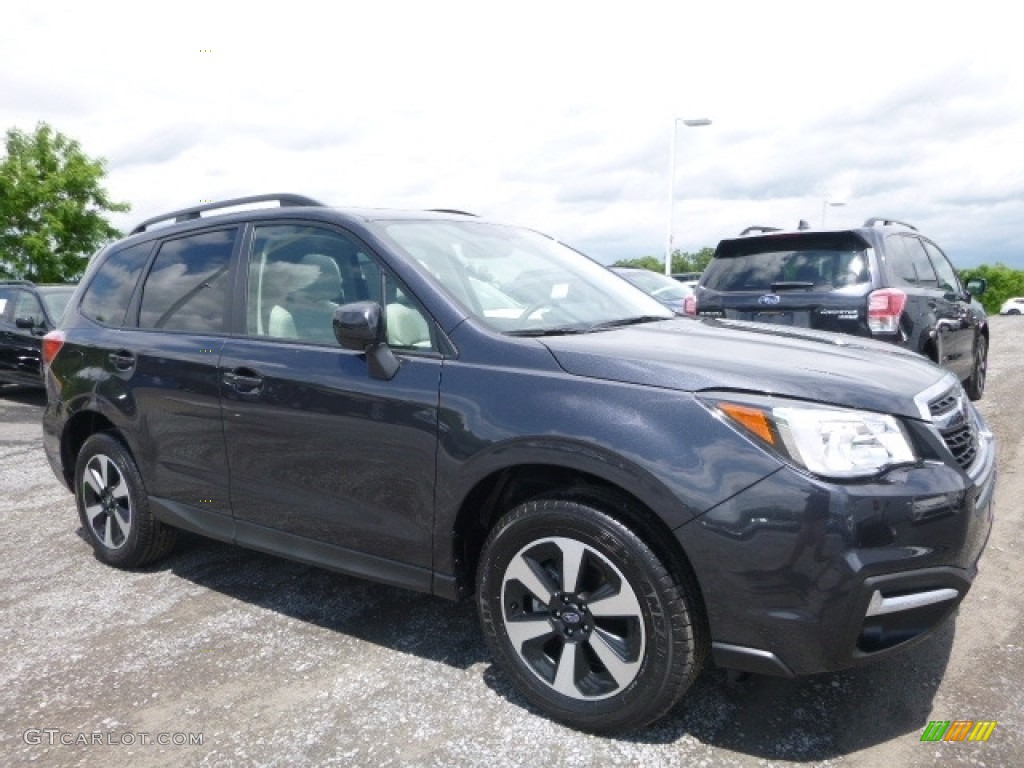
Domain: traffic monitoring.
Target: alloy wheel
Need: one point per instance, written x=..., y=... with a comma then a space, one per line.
x=573, y=618
x=107, y=502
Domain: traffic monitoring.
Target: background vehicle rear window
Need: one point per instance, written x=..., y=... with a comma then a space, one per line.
x=108, y=294
x=187, y=288
x=758, y=265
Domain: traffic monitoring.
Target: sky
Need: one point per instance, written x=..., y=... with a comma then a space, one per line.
x=554, y=115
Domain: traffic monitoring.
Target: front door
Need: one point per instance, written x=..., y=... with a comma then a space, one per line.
x=318, y=450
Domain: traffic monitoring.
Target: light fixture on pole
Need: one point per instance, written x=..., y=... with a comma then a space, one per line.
x=825, y=205
x=696, y=123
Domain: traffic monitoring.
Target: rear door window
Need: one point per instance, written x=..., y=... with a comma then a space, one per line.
x=908, y=263
x=188, y=288
x=948, y=280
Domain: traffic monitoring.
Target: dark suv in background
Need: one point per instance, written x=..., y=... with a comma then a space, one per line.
x=455, y=406
x=884, y=280
x=27, y=312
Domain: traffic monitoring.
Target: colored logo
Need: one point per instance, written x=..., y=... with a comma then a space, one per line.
x=769, y=300
x=958, y=730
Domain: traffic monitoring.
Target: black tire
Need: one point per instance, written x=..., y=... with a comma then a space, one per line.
x=629, y=623
x=975, y=385
x=1013, y=312
x=114, y=508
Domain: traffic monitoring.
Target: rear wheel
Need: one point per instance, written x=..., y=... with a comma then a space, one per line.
x=975, y=385
x=583, y=616
x=114, y=508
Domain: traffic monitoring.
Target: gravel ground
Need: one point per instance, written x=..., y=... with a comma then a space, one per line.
x=268, y=662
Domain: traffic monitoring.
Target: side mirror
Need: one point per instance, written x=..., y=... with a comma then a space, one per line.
x=977, y=286
x=360, y=326
x=25, y=323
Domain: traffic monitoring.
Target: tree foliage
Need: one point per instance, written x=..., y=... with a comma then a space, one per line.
x=52, y=206
x=1003, y=282
x=681, y=261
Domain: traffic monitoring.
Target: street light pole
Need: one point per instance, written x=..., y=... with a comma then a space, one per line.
x=696, y=123
x=825, y=204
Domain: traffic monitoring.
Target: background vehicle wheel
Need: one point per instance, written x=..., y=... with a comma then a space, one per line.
x=585, y=619
x=114, y=508
x=975, y=385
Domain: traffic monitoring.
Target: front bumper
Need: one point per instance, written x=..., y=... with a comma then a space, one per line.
x=801, y=575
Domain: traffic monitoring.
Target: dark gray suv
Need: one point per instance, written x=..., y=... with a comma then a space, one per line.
x=883, y=280
x=459, y=407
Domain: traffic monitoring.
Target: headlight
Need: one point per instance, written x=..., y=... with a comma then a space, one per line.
x=832, y=442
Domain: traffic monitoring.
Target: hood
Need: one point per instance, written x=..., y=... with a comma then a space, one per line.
x=696, y=355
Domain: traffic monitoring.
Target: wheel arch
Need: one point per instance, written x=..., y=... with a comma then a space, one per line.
x=503, y=490
x=79, y=428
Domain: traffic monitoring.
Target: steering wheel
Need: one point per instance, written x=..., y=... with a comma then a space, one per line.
x=533, y=309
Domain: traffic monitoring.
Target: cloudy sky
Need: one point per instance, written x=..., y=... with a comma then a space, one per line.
x=555, y=115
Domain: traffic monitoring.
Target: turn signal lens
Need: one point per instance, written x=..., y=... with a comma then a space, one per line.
x=753, y=420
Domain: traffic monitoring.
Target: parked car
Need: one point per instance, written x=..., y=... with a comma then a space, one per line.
x=629, y=494
x=27, y=312
x=1014, y=306
x=669, y=292
x=883, y=280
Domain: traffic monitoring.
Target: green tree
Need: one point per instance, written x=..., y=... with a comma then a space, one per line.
x=681, y=261
x=52, y=206
x=1003, y=282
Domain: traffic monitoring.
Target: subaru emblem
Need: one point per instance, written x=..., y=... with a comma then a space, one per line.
x=769, y=299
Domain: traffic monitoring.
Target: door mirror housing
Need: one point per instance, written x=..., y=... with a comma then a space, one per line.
x=360, y=326
x=977, y=286
x=25, y=323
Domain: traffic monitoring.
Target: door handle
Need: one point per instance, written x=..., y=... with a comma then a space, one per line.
x=244, y=381
x=122, y=359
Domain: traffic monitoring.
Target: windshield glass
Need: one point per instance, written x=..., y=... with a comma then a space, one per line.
x=659, y=286
x=56, y=300
x=518, y=281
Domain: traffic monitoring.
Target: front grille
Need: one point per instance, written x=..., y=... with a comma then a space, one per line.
x=944, y=404
x=951, y=417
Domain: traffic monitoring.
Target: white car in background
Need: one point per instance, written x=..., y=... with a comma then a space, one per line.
x=1013, y=306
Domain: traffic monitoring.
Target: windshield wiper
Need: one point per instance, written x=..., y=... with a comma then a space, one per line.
x=627, y=321
x=792, y=285
x=558, y=330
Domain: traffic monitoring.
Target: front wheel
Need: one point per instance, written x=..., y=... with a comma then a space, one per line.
x=975, y=385
x=585, y=618
x=114, y=508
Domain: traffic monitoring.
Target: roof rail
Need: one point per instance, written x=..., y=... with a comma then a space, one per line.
x=887, y=222
x=188, y=214
x=758, y=228
x=452, y=210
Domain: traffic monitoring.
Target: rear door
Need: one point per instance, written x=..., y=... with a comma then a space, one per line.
x=813, y=280
x=961, y=323
x=326, y=461
x=165, y=361
x=931, y=320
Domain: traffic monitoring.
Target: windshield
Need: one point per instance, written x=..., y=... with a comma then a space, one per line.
x=518, y=281
x=659, y=286
x=56, y=300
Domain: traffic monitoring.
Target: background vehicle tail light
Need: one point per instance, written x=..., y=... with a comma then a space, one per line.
x=884, y=310
x=690, y=305
x=52, y=342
